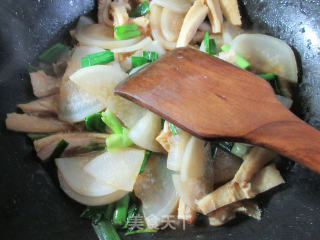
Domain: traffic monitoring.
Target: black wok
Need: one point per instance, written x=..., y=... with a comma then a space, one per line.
x=31, y=204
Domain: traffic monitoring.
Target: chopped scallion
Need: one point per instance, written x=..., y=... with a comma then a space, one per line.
x=241, y=61
x=126, y=31
x=141, y=231
x=121, y=210
x=94, y=123
x=61, y=146
x=151, y=56
x=109, y=211
x=145, y=161
x=95, y=214
x=105, y=230
x=32, y=69
x=162, y=123
x=138, y=61
x=131, y=212
x=116, y=141
x=173, y=129
x=97, y=58
x=36, y=136
x=210, y=45
x=142, y=9
x=112, y=122
x=239, y=149
x=53, y=53
x=93, y=146
x=225, y=47
x=273, y=80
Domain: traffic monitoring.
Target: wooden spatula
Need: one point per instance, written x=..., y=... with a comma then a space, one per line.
x=215, y=100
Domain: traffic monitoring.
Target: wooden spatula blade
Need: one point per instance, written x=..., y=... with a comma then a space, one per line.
x=202, y=94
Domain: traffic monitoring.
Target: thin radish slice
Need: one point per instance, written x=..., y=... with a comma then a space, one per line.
x=118, y=168
x=179, y=6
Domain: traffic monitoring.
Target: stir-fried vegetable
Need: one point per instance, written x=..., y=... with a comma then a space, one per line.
x=140, y=10
x=97, y=58
x=169, y=170
x=126, y=31
x=94, y=122
x=51, y=54
x=121, y=210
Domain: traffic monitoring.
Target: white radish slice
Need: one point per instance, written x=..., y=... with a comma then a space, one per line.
x=74, y=63
x=89, y=201
x=99, y=35
x=191, y=190
x=71, y=169
x=144, y=133
x=155, y=17
x=135, y=47
x=171, y=23
x=128, y=112
x=197, y=153
x=118, y=168
x=179, y=6
x=267, y=54
x=154, y=187
x=99, y=80
x=75, y=104
x=230, y=32
x=177, y=147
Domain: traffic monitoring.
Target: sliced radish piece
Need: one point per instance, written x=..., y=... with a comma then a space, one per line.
x=99, y=80
x=72, y=171
x=75, y=104
x=146, y=130
x=89, y=201
x=177, y=147
x=118, y=168
x=268, y=54
x=197, y=153
x=154, y=187
x=128, y=112
x=180, y=6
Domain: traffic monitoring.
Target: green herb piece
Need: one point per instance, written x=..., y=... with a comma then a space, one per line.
x=105, y=230
x=241, y=61
x=142, y=9
x=112, y=122
x=141, y=231
x=138, y=61
x=94, y=146
x=151, y=56
x=225, y=47
x=162, y=123
x=131, y=213
x=226, y=146
x=116, y=141
x=109, y=211
x=36, y=136
x=239, y=149
x=32, y=69
x=126, y=31
x=121, y=210
x=53, y=53
x=61, y=146
x=94, y=123
x=273, y=80
x=95, y=214
x=210, y=45
x=145, y=161
x=99, y=58
x=173, y=129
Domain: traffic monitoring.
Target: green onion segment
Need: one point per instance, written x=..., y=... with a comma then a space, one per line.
x=61, y=146
x=94, y=123
x=241, y=61
x=141, y=10
x=99, y=58
x=127, y=31
x=210, y=45
x=51, y=54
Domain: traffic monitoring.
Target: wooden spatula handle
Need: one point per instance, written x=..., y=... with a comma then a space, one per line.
x=293, y=139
